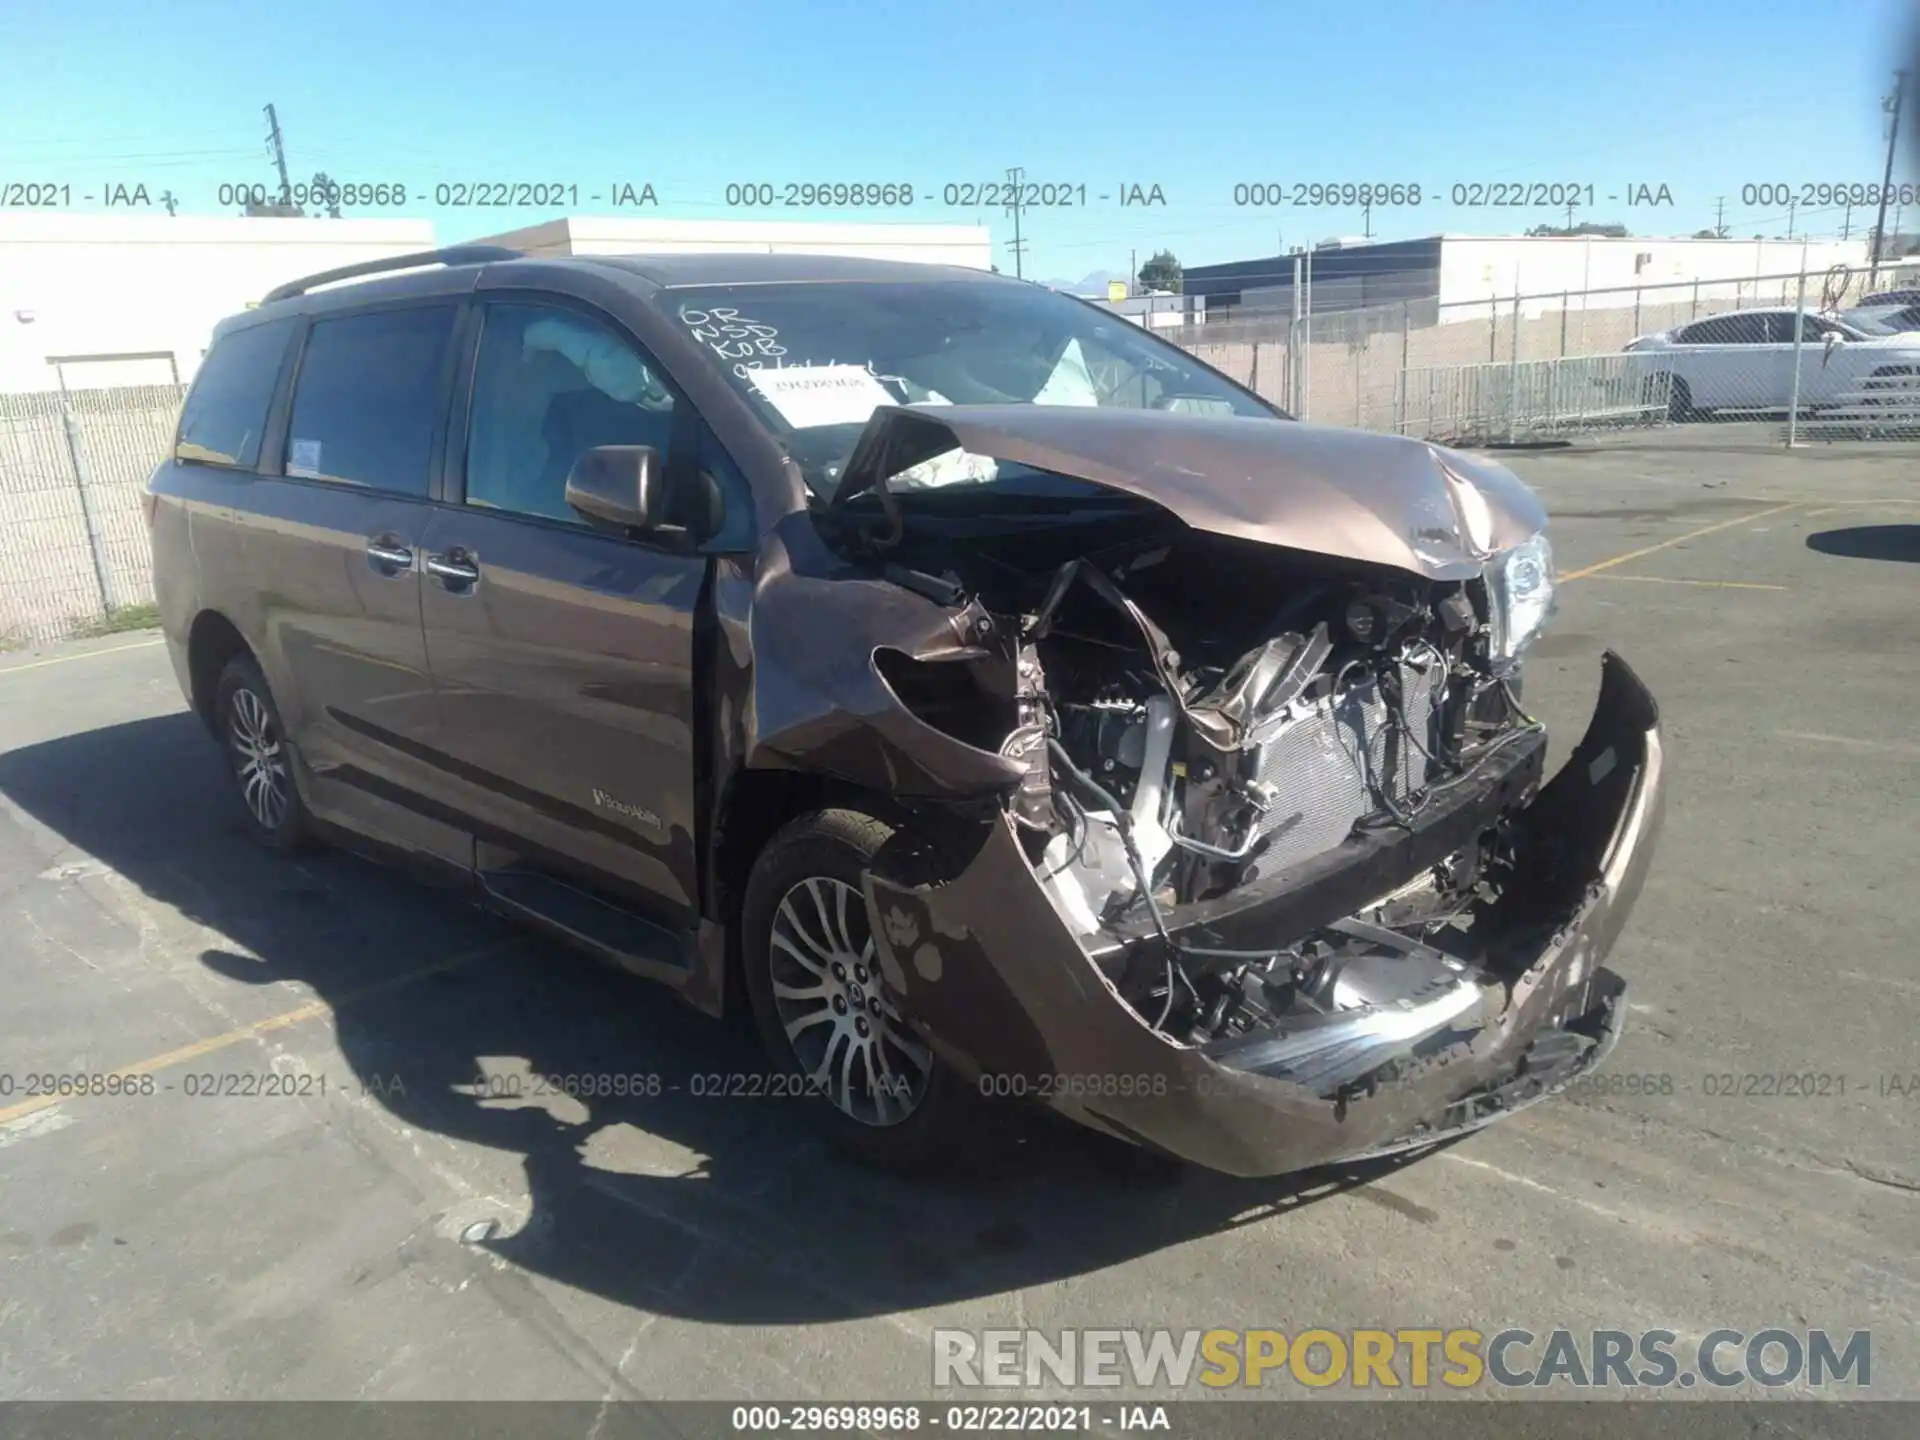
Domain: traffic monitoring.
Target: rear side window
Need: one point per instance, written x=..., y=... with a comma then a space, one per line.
x=1727, y=330
x=226, y=411
x=367, y=405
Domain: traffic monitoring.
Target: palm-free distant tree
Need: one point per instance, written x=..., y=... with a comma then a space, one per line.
x=321, y=187
x=1162, y=272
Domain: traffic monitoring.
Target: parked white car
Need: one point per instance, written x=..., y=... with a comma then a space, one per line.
x=1744, y=361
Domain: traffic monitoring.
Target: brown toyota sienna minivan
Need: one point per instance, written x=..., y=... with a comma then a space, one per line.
x=995, y=699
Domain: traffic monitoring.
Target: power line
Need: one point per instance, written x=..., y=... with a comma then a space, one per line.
x=119, y=158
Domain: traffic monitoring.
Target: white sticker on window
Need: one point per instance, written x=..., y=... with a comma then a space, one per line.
x=303, y=459
x=808, y=395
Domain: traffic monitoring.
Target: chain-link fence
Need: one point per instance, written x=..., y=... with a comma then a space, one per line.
x=1528, y=366
x=74, y=556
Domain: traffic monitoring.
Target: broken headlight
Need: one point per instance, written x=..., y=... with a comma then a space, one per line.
x=1520, y=587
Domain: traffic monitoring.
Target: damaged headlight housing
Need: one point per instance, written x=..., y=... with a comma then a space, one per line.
x=1520, y=596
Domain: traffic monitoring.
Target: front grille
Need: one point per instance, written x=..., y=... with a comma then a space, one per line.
x=1328, y=768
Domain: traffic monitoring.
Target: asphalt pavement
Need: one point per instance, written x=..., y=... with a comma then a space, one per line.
x=400, y=1220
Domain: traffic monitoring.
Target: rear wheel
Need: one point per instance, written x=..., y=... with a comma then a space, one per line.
x=262, y=766
x=827, y=1017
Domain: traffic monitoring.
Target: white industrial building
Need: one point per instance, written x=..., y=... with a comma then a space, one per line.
x=1543, y=269
x=966, y=245
x=1157, y=311
x=93, y=300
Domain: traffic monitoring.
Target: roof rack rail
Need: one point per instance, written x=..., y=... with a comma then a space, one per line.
x=451, y=255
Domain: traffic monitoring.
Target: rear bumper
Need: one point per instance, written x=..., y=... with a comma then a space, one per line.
x=1003, y=990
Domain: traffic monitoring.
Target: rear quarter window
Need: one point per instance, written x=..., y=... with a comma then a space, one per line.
x=226, y=410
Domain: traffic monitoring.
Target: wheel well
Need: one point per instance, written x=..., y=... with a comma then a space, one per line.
x=211, y=643
x=757, y=805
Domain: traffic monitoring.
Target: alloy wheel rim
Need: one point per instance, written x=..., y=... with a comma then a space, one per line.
x=847, y=1033
x=259, y=760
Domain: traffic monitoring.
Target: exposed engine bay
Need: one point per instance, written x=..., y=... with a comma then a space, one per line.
x=1194, y=713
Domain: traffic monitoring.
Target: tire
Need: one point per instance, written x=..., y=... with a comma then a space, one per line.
x=809, y=970
x=1680, y=402
x=251, y=734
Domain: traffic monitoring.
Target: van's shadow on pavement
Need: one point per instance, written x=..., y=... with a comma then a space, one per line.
x=715, y=1209
x=1870, y=542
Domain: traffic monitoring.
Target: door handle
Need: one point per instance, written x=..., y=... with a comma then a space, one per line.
x=388, y=556
x=456, y=569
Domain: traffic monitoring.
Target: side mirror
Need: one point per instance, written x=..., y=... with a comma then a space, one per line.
x=618, y=485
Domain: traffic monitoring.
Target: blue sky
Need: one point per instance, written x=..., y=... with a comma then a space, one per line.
x=1705, y=97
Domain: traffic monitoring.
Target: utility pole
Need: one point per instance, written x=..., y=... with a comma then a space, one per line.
x=1720, y=217
x=1792, y=205
x=1133, y=270
x=1016, y=177
x=1846, y=223
x=1366, y=220
x=1892, y=107
x=1569, y=216
x=167, y=199
x=277, y=149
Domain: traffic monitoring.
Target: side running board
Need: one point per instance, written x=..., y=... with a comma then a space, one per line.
x=594, y=924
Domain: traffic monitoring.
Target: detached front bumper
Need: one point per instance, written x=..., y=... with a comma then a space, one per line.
x=1003, y=989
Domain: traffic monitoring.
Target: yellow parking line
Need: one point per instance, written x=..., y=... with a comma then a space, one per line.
x=1707, y=584
x=312, y=1010
x=1680, y=540
x=83, y=655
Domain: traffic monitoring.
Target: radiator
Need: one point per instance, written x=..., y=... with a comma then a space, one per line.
x=1329, y=768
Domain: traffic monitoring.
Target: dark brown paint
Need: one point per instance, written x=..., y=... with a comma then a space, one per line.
x=1380, y=499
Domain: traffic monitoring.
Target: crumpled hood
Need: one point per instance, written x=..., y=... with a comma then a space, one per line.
x=1384, y=499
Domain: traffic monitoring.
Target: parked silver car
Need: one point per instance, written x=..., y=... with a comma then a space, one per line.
x=1745, y=361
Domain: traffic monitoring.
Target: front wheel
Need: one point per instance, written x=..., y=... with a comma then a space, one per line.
x=826, y=1015
x=257, y=753
x=1680, y=402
